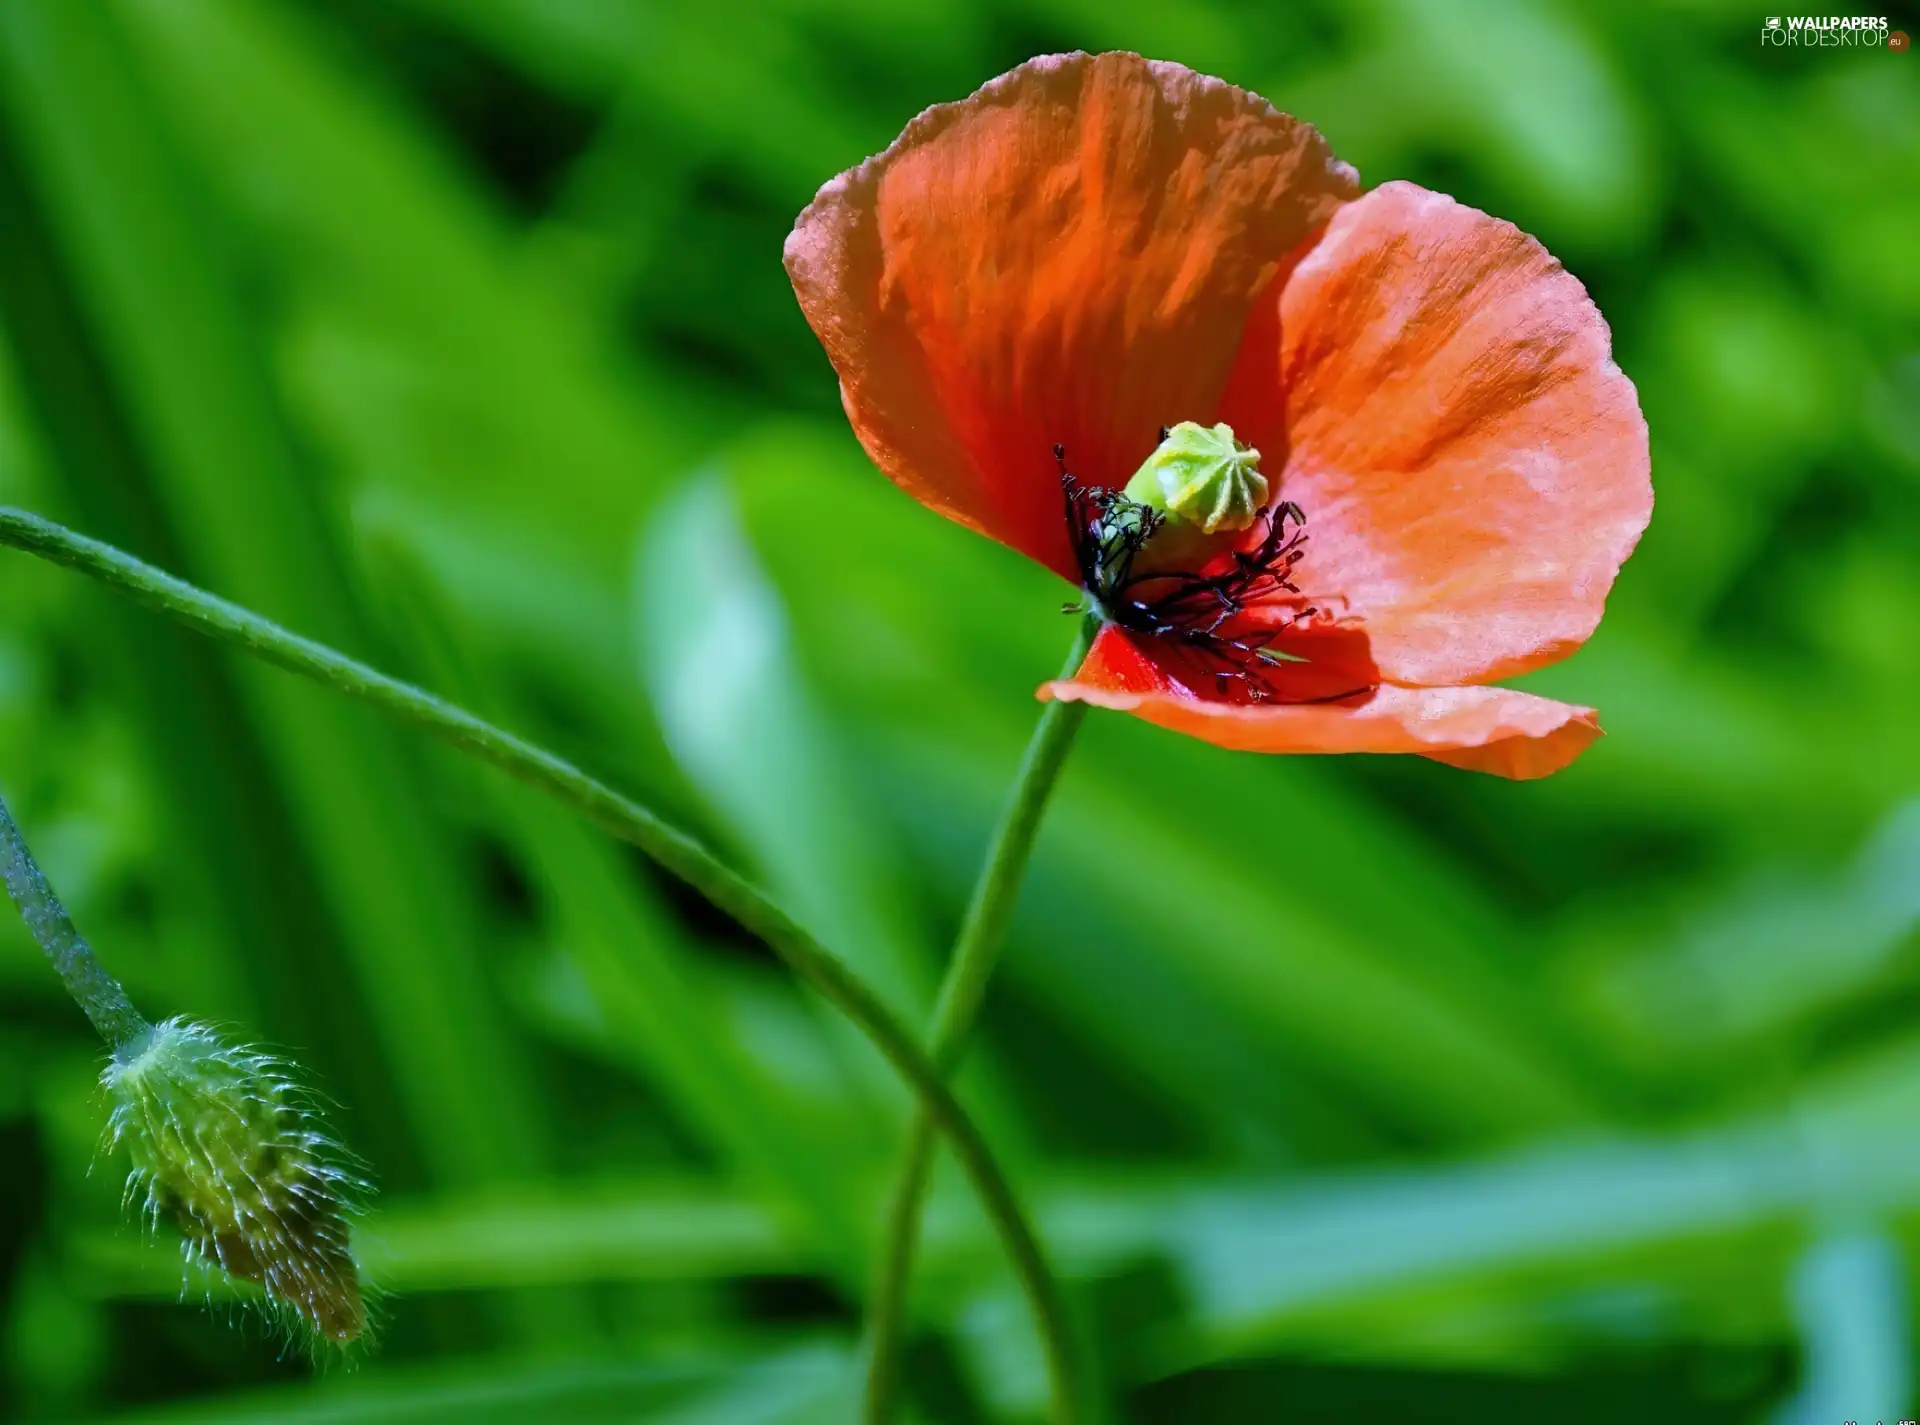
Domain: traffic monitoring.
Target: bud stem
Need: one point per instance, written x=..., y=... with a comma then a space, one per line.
x=86, y=979
x=669, y=847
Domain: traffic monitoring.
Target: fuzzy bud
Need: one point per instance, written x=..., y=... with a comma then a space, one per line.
x=1202, y=479
x=227, y=1146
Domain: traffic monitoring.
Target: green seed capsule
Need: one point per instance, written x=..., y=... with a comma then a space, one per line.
x=1207, y=485
x=226, y=1145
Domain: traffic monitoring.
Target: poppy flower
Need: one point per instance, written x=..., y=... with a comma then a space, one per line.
x=1410, y=466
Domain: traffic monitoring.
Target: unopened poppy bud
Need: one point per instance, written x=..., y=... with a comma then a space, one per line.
x=227, y=1146
x=1206, y=484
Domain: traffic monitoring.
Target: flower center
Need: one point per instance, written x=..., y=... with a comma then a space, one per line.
x=1187, y=549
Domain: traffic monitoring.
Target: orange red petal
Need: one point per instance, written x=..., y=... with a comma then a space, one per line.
x=1068, y=256
x=1472, y=464
x=1497, y=730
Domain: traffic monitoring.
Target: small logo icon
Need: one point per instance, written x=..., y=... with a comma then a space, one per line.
x=1773, y=22
x=1897, y=41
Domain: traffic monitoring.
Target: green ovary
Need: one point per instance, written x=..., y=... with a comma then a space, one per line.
x=1207, y=486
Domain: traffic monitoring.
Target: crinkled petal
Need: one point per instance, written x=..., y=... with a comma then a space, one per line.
x=1069, y=257
x=1472, y=464
x=1497, y=730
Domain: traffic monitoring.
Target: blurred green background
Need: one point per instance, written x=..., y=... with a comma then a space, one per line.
x=453, y=332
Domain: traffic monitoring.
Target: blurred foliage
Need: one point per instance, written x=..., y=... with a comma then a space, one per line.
x=454, y=332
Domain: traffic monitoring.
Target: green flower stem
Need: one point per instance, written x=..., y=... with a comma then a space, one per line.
x=672, y=849
x=86, y=979
x=975, y=951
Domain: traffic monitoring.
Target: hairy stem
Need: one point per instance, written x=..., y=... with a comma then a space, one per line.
x=93, y=989
x=975, y=951
x=673, y=850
